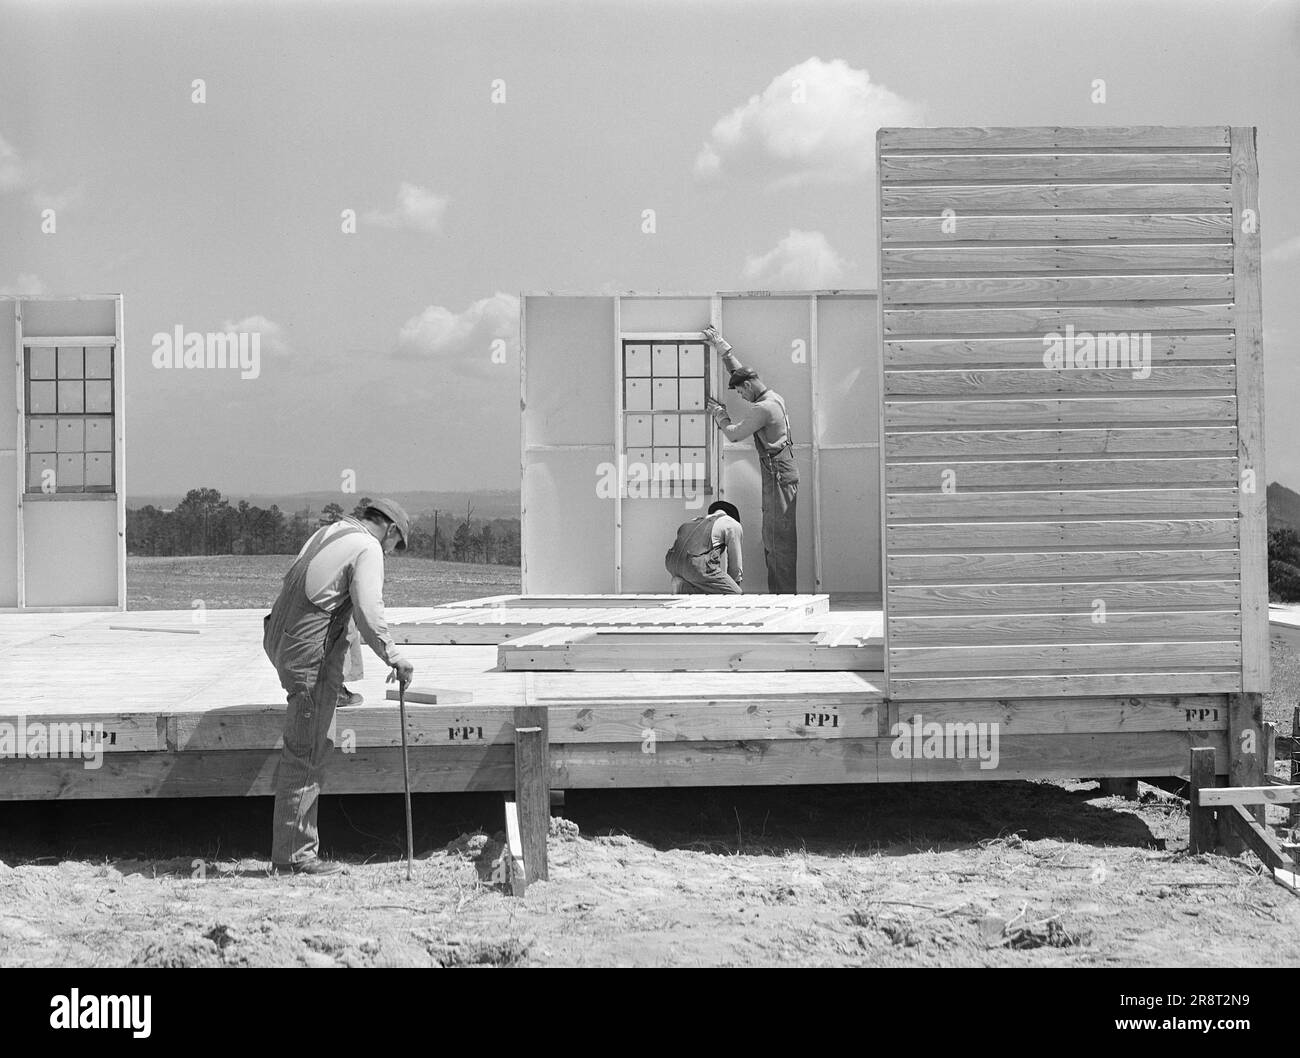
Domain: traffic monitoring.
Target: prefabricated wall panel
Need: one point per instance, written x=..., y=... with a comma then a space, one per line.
x=1059, y=524
x=10, y=464
x=819, y=350
x=65, y=549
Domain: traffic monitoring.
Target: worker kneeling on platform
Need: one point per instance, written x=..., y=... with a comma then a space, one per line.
x=338, y=576
x=705, y=559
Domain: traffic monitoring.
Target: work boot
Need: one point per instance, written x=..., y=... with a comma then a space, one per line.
x=315, y=866
x=347, y=697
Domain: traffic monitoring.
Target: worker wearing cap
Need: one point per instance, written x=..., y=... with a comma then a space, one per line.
x=705, y=559
x=766, y=421
x=337, y=577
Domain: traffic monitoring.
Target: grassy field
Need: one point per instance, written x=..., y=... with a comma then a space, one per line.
x=227, y=582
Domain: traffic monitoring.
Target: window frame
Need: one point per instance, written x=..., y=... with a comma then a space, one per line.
x=32, y=488
x=672, y=487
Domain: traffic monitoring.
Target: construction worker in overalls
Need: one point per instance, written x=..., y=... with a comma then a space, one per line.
x=769, y=425
x=337, y=577
x=706, y=559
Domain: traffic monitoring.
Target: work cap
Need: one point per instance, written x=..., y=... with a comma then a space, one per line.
x=742, y=375
x=729, y=509
x=394, y=513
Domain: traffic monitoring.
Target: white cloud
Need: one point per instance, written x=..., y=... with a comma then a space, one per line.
x=1286, y=251
x=471, y=342
x=27, y=285
x=803, y=260
x=417, y=210
x=815, y=123
x=13, y=173
x=272, y=340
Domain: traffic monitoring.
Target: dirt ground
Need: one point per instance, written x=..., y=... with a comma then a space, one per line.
x=963, y=874
x=975, y=874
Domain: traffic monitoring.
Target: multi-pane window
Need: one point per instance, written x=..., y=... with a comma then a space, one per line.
x=69, y=418
x=665, y=386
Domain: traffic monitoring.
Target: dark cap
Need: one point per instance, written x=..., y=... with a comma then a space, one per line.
x=742, y=375
x=729, y=509
x=394, y=513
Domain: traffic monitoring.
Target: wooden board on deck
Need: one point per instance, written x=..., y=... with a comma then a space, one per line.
x=737, y=650
x=505, y=621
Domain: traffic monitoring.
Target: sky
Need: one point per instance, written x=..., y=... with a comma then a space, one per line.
x=369, y=186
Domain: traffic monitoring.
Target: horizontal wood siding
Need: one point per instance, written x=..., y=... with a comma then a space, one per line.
x=1066, y=432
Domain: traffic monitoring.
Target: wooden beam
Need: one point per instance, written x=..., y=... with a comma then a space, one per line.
x=532, y=787
x=434, y=696
x=814, y=429
x=1293, y=816
x=1202, y=831
x=619, y=442
x=1249, y=355
x=882, y=137
x=155, y=628
x=118, y=358
x=1246, y=741
x=702, y=650
x=71, y=340
x=20, y=455
x=1256, y=838
x=1251, y=795
x=250, y=773
x=523, y=440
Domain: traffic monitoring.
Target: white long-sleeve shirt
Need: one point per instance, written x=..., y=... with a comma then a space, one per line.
x=352, y=565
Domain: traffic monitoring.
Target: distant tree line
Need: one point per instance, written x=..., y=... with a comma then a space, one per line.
x=205, y=523
x=1283, y=565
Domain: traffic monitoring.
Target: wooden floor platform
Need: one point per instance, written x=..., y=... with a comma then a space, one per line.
x=152, y=704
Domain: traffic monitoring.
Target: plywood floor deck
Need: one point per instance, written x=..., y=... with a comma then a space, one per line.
x=182, y=715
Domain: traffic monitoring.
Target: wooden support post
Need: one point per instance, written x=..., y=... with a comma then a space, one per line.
x=1120, y=788
x=533, y=786
x=1293, y=817
x=1270, y=752
x=1202, y=836
x=1245, y=756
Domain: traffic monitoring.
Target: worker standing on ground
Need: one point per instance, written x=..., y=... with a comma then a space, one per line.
x=338, y=576
x=706, y=557
x=767, y=422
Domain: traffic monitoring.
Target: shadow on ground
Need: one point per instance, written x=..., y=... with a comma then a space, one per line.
x=829, y=820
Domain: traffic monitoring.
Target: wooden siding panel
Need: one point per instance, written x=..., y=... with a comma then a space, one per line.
x=1079, y=524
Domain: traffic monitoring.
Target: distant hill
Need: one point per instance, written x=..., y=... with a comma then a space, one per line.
x=1283, y=508
x=488, y=504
